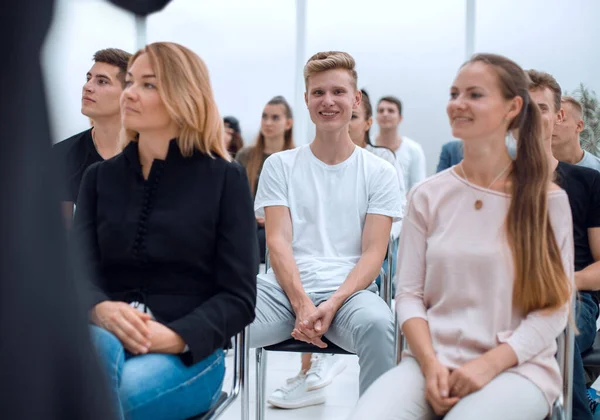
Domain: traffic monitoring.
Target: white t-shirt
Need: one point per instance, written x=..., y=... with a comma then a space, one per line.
x=589, y=161
x=412, y=158
x=328, y=206
x=389, y=156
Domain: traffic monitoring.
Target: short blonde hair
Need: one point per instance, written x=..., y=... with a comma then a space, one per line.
x=184, y=87
x=330, y=60
x=574, y=103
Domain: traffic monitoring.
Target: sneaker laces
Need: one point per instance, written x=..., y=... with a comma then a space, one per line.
x=317, y=363
x=292, y=383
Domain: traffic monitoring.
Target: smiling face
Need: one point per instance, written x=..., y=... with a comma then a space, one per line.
x=142, y=108
x=477, y=108
x=101, y=92
x=331, y=97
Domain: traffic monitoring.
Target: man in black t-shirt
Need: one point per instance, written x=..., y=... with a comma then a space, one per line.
x=99, y=102
x=582, y=186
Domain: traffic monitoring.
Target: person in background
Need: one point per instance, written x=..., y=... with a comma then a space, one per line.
x=582, y=186
x=497, y=270
x=566, y=146
x=451, y=154
x=104, y=84
x=408, y=152
x=276, y=134
x=233, y=136
x=168, y=229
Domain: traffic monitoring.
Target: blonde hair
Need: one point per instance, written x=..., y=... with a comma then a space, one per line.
x=330, y=60
x=184, y=87
x=574, y=103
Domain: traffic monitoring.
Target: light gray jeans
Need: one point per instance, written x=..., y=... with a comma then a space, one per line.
x=363, y=325
x=400, y=395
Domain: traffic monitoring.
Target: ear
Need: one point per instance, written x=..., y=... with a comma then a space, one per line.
x=515, y=108
x=289, y=123
x=369, y=123
x=357, y=99
x=580, y=126
x=560, y=116
x=306, y=98
x=401, y=119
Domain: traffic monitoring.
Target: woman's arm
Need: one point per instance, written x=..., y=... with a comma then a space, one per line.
x=231, y=309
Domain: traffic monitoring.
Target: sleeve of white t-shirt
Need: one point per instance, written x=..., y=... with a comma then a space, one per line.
x=272, y=186
x=384, y=193
x=418, y=170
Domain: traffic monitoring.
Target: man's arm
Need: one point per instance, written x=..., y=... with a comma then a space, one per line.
x=374, y=246
x=278, y=230
x=589, y=277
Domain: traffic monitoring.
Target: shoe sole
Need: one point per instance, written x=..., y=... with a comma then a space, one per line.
x=299, y=404
x=337, y=369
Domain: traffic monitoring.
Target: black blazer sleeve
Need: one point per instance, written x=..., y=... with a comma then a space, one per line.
x=231, y=309
x=84, y=236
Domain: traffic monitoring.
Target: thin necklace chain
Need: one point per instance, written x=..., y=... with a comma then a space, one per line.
x=478, y=201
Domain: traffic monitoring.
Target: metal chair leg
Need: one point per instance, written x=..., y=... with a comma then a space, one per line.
x=245, y=376
x=261, y=379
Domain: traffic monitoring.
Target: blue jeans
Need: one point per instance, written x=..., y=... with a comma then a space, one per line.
x=158, y=386
x=586, y=310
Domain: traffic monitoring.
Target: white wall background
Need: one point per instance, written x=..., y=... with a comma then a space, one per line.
x=402, y=47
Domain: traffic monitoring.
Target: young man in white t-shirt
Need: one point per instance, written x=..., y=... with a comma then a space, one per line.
x=409, y=152
x=328, y=209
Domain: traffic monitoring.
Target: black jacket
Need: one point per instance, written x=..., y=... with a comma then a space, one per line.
x=183, y=242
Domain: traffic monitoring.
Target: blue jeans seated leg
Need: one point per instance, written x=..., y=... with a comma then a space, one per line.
x=586, y=311
x=158, y=386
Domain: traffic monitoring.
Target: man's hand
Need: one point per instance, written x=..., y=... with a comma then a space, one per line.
x=128, y=324
x=304, y=328
x=471, y=377
x=164, y=339
x=437, y=387
x=320, y=319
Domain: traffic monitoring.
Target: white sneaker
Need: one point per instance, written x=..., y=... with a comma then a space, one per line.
x=294, y=394
x=324, y=367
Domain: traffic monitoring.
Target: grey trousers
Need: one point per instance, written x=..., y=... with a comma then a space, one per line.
x=364, y=325
x=400, y=395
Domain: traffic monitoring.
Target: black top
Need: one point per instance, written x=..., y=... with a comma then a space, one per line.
x=183, y=242
x=243, y=157
x=72, y=157
x=582, y=185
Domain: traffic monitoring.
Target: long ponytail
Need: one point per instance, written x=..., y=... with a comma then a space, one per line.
x=540, y=280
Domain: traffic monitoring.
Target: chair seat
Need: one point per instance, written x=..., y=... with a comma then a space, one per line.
x=296, y=346
x=207, y=415
x=592, y=356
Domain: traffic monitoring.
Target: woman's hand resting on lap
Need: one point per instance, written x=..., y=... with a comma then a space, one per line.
x=127, y=323
x=164, y=339
x=437, y=389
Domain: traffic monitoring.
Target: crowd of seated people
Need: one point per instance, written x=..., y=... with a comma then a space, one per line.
x=174, y=216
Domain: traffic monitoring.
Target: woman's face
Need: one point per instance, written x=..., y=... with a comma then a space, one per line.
x=359, y=125
x=477, y=108
x=274, y=122
x=142, y=108
x=228, y=135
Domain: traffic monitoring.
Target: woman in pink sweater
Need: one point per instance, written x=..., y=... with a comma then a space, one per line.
x=484, y=280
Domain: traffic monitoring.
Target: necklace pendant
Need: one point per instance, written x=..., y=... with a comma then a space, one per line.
x=478, y=204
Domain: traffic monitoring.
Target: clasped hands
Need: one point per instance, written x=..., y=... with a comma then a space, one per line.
x=444, y=388
x=136, y=330
x=313, y=321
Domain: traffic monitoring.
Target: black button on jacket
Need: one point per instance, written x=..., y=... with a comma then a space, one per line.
x=183, y=242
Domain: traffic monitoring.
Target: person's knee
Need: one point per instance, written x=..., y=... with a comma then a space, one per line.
x=375, y=323
x=105, y=342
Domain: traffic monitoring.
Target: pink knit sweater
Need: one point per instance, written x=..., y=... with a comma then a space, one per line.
x=455, y=270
